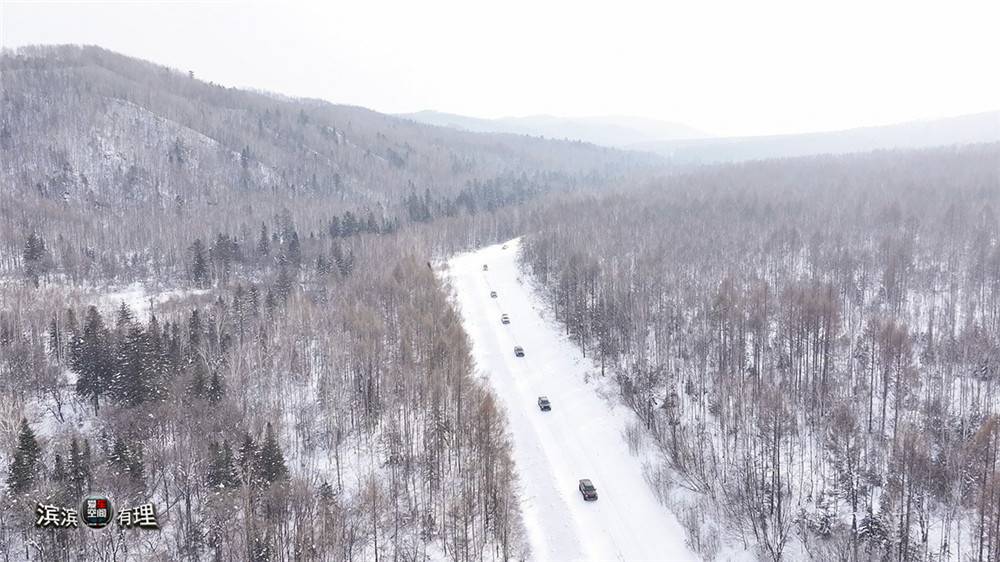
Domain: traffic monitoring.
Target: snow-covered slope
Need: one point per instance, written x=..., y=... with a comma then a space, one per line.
x=582, y=437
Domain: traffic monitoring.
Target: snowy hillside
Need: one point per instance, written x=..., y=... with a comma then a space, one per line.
x=581, y=437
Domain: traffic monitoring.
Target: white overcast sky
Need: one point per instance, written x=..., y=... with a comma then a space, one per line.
x=734, y=68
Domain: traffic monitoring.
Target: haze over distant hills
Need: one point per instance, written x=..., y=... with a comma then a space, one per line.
x=612, y=131
x=686, y=145
x=964, y=129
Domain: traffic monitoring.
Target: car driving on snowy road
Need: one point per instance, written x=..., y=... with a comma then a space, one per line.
x=588, y=490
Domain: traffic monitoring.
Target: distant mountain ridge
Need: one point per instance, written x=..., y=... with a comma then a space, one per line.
x=613, y=131
x=91, y=124
x=964, y=129
x=88, y=136
x=685, y=145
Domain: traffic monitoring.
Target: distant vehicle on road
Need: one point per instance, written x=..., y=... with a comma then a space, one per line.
x=544, y=404
x=485, y=267
x=518, y=351
x=588, y=490
x=493, y=294
x=504, y=319
x=504, y=247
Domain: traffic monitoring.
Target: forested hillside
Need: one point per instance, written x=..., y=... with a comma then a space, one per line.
x=224, y=302
x=220, y=301
x=99, y=147
x=814, y=343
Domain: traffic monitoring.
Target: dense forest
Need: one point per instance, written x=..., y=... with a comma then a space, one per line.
x=813, y=343
x=225, y=302
x=275, y=420
x=98, y=147
x=221, y=302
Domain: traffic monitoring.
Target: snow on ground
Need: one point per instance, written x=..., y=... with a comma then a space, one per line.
x=61, y=408
x=139, y=298
x=582, y=437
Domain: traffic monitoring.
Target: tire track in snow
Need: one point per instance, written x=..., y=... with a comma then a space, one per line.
x=582, y=437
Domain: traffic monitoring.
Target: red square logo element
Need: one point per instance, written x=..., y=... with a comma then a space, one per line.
x=102, y=504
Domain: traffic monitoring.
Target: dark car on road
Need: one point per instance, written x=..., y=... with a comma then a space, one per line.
x=485, y=267
x=493, y=294
x=588, y=490
x=518, y=351
x=504, y=319
x=544, y=404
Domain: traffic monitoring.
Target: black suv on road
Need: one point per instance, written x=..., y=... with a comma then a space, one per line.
x=504, y=319
x=544, y=404
x=588, y=490
x=518, y=351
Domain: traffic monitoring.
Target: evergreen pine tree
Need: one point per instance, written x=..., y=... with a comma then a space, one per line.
x=91, y=358
x=127, y=460
x=231, y=475
x=326, y=492
x=119, y=456
x=284, y=284
x=24, y=467
x=337, y=253
x=199, y=264
x=58, y=470
x=222, y=472
x=322, y=265
x=349, y=225
x=264, y=243
x=36, y=258
x=248, y=460
x=253, y=300
x=216, y=389
x=133, y=384
x=270, y=303
x=872, y=531
x=61, y=480
x=88, y=475
x=199, y=384
x=199, y=379
x=174, y=347
x=71, y=326
x=260, y=549
x=294, y=252
x=194, y=334
x=156, y=360
x=271, y=461
x=347, y=263
x=124, y=320
x=55, y=340
x=79, y=469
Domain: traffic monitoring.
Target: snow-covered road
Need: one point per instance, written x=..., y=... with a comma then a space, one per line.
x=582, y=437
